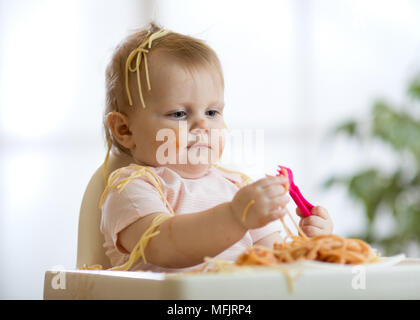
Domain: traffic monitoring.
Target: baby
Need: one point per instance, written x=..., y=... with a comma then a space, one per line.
x=180, y=211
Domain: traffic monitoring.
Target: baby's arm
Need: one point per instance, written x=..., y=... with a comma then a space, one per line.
x=184, y=240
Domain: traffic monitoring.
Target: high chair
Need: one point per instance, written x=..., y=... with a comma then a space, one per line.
x=90, y=248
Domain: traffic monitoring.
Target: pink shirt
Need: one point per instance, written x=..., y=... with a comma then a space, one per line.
x=140, y=198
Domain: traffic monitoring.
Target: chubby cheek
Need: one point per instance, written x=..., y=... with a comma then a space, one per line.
x=181, y=138
x=150, y=149
x=217, y=144
x=149, y=142
x=179, y=141
x=174, y=141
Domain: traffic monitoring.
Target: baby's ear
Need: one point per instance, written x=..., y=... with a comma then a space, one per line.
x=119, y=126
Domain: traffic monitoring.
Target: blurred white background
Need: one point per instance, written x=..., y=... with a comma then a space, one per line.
x=294, y=68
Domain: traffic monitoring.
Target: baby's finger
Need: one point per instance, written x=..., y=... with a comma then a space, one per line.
x=275, y=183
x=320, y=212
x=312, y=231
x=280, y=202
x=278, y=213
x=269, y=180
x=274, y=191
x=314, y=221
x=301, y=223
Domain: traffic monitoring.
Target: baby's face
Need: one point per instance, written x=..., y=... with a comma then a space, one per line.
x=182, y=109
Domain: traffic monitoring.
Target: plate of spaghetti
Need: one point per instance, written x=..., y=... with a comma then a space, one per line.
x=323, y=251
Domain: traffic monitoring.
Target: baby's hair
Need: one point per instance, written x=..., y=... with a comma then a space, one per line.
x=189, y=52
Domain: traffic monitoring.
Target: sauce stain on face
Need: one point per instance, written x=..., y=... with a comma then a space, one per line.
x=221, y=148
x=202, y=123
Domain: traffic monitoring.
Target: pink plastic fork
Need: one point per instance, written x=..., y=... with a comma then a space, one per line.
x=304, y=206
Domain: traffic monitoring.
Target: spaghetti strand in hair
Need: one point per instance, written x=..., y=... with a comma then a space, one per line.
x=141, y=53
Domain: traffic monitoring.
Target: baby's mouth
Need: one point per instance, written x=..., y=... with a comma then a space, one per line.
x=199, y=145
x=199, y=141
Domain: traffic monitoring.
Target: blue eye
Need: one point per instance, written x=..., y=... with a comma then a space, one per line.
x=178, y=114
x=212, y=113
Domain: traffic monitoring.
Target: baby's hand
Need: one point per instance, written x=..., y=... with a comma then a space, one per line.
x=261, y=202
x=318, y=223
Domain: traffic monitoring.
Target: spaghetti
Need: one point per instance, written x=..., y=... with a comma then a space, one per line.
x=139, y=249
x=138, y=54
x=326, y=248
x=245, y=179
x=245, y=213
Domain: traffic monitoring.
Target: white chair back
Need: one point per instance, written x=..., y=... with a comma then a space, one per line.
x=90, y=248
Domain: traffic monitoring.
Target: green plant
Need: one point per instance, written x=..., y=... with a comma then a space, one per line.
x=382, y=191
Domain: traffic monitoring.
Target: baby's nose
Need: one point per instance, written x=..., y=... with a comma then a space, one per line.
x=200, y=125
